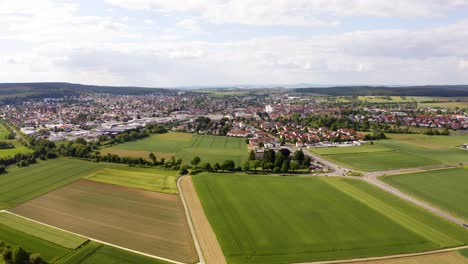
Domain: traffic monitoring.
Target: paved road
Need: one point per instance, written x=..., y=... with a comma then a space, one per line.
x=374, y=181
x=371, y=177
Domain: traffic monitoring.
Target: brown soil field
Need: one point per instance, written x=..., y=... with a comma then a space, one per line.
x=206, y=237
x=145, y=221
x=452, y=257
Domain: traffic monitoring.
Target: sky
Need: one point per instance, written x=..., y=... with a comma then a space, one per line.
x=169, y=43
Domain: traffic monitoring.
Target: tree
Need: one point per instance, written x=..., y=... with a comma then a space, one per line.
x=207, y=166
x=19, y=256
x=152, y=157
x=196, y=160
x=252, y=155
x=285, y=166
x=246, y=166
x=228, y=165
x=299, y=155
x=294, y=165
x=269, y=155
x=217, y=167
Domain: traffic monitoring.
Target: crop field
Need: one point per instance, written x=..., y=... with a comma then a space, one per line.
x=395, y=99
x=94, y=252
x=445, y=105
x=257, y=221
x=152, y=179
x=22, y=184
x=49, y=251
x=445, y=188
x=186, y=146
x=409, y=151
x=44, y=232
x=162, y=145
x=215, y=149
x=367, y=148
x=452, y=257
x=19, y=148
x=149, y=222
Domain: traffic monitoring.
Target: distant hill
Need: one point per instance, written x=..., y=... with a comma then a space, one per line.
x=11, y=92
x=429, y=90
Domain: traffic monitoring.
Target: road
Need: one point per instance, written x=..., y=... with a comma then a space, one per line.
x=371, y=177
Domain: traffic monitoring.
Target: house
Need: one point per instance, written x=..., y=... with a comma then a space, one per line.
x=465, y=146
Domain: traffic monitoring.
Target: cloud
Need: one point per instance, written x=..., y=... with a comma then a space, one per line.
x=293, y=12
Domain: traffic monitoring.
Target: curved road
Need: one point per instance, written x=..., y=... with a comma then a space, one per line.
x=371, y=177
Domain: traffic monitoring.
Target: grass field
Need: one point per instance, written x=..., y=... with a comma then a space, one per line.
x=152, y=179
x=409, y=150
x=261, y=219
x=94, y=252
x=19, y=148
x=162, y=145
x=49, y=251
x=183, y=145
x=446, y=188
x=145, y=221
x=445, y=105
x=22, y=184
x=215, y=149
x=53, y=235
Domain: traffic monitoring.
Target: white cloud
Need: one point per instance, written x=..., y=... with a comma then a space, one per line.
x=293, y=12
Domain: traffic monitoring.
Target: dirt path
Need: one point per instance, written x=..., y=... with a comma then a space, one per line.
x=211, y=250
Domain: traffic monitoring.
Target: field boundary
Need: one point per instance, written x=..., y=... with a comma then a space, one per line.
x=386, y=257
x=97, y=240
x=201, y=259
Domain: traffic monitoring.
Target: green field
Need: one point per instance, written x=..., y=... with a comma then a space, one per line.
x=94, y=252
x=215, y=149
x=22, y=184
x=44, y=232
x=409, y=150
x=152, y=179
x=445, y=105
x=19, y=148
x=49, y=251
x=183, y=145
x=445, y=188
x=262, y=219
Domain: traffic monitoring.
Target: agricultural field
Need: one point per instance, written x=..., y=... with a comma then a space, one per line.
x=395, y=99
x=444, y=188
x=257, y=221
x=22, y=184
x=404, y=151
x=152, y=179
x=149, y=222
x=215, y=149
x=13, y=237
x=185, y=146
x=44, y=232
x=19, y=148
x=94, y=252
x=445, y=105
x=452, y=257
x=162, y=145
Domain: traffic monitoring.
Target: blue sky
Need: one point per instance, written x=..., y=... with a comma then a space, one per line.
x=219, y=42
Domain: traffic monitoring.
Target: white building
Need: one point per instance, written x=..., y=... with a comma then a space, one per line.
x=269, y=109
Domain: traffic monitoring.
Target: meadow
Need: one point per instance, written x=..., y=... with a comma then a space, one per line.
x=185, y=146
x=162, y=145
x=19, y=148
x=152, y=179
x=444, y=188
x=149, y=222
x=22, y=184
x=445, y=105
x=404, y=151
x=215, y=149
x=257, y=221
